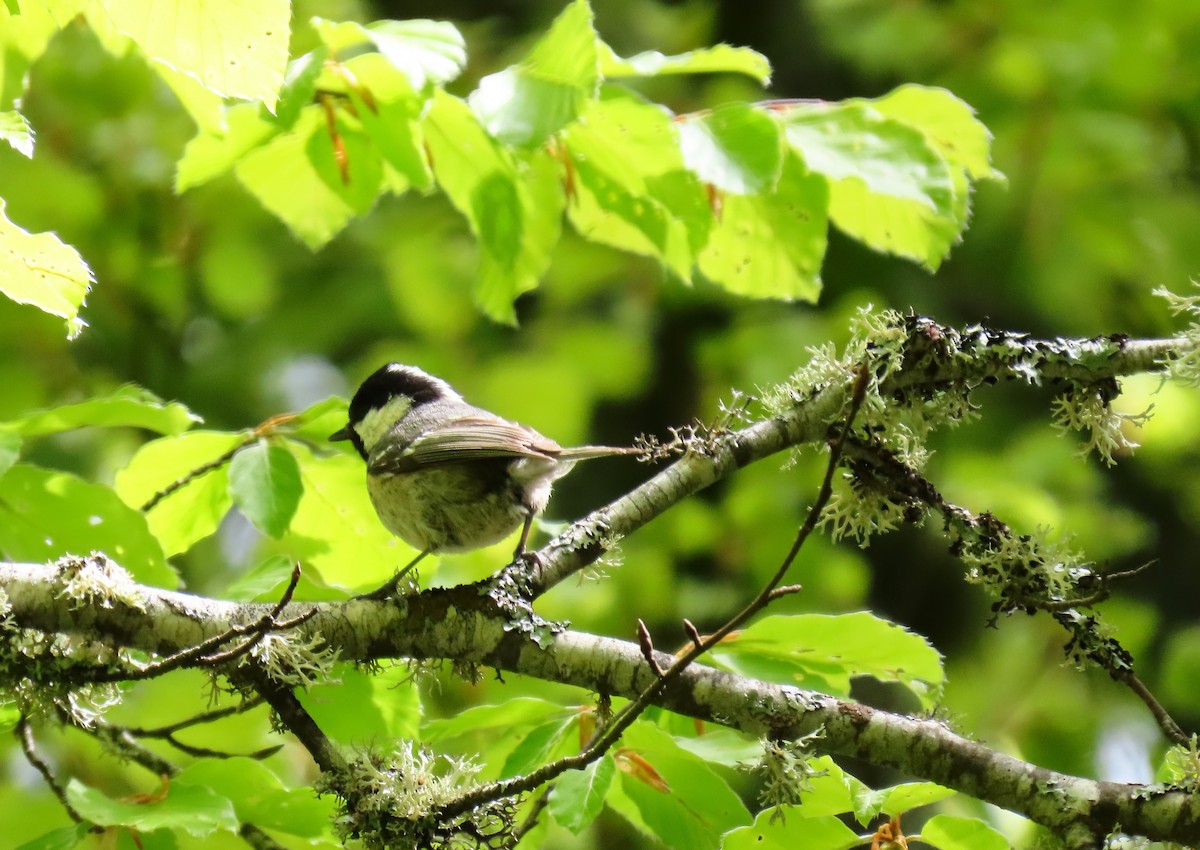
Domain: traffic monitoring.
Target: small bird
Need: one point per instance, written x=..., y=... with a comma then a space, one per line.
x=444, y=475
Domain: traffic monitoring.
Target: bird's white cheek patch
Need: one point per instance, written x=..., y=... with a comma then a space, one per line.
x=378, y=421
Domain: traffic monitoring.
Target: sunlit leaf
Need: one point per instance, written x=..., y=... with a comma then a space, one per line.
x=629, y=186
x=259, y=797
x=15, y=130
x=793, y=830
x=542, y=744
x=948, y=122
x=514, y=215
x=512, y=713
x=264, y=481
x=196, y=810
x=736, y=148
x=889, y=187
x=947, y=832
x=63, y=838
x=578, y=795
x=10, y=448
x=549, y=88
x=211, y=153
x=235, y=48
x=822, y=652
x=38, y=269
x=281, y=175
x=771, y=245
x=45, y=515
x=129, y=405
x=193, y=511
x=425, y=51
x=720, y=58
x=673, y=815
x=357, y=708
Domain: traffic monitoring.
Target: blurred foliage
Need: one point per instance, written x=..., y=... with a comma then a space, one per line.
x=206, y=298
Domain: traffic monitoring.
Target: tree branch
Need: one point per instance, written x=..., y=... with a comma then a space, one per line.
x=478, y=633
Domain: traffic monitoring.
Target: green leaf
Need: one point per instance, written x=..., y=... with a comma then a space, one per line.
x=299, y=86
x=128, y=406
x=912, y=795
x=512, y=714
x=723, y=746
x=211, y=153
x=578, y=795
x=672, y=815
x=540, y=745
x=549, y=88
x=45, y=515
x=771, y=246
x=889, y=187
x=233, y=48
x=63, y=838
x=720, y=58
x=792, y=831
x=392, y=120
x=191, y=512
x=347, y=162
x=629, y=187
x=736, y=148
x=821, y=652
x=10, y=448
x=266, y=582
x=953, y=833
x=38, y=269
x=515, y=216
x=281, y=175
x=947, y=122
x=264, y=481
x=336, y=531
x=15, y=130
x=359, y=708
x=425, y=51
x=195, y=810
x=316, y=422
x=259, y=797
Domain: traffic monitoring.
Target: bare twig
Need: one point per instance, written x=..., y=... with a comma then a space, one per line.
x=24, y=734
x=196, y=720
x=264, y=430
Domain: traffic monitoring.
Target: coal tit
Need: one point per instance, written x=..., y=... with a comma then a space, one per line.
x=446, y=476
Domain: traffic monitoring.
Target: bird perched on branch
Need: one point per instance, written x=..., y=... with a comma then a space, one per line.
x=444, y=475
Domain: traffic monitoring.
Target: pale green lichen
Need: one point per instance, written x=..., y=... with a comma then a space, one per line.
x=293, y=661
x=1087, y=409
x=1183, y=765
x=786, y=770
x=395, y=800
x=97, y=581
x=1186, y=365
x=859, y=514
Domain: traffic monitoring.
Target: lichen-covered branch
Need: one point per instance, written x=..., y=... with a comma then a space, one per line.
x=464, y=625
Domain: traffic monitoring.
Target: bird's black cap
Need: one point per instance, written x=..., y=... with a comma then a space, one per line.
x=386, y=383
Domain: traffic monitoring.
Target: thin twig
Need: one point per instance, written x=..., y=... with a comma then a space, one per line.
x=24, y=734
x=196, y=720
x=1165, y=721
x=265, y=429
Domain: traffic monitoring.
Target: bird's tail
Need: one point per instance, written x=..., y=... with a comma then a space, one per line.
x=586, y=452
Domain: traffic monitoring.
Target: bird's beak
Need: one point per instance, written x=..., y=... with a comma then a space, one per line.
x=341, y=434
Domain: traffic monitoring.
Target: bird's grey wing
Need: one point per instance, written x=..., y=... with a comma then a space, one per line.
x=462, y=440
